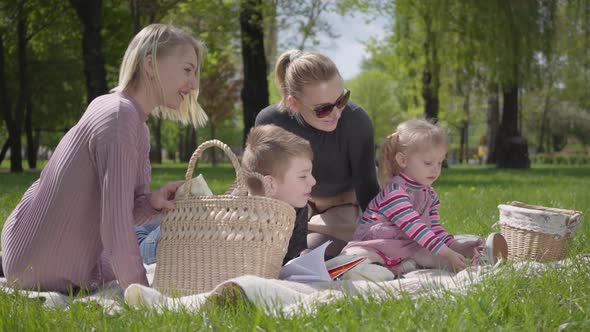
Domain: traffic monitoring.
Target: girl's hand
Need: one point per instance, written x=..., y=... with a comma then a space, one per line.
x=164, y=197
x=457, y=261
x=468, y=249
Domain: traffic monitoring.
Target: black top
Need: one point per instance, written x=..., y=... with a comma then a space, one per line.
x=298, y=240
x=344, y=159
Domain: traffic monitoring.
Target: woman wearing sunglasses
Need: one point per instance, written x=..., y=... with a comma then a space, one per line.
x=315, y=105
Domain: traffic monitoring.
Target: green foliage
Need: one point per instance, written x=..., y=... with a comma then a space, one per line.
x=216, y=24
x=375, y=92
x=540, y=45
x=55, y=74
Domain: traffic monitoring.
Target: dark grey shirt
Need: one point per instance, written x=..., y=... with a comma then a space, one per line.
x=344, y=159
x=298, y=241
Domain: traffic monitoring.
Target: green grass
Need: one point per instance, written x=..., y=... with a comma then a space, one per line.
x=512, y=301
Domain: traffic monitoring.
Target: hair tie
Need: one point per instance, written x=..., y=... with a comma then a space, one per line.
x=293, y=56
x=393, y=136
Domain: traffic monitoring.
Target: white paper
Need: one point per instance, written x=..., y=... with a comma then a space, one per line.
x=312, y=267
x=309, y=267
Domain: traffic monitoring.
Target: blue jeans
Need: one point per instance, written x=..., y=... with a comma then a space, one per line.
x=148, y=237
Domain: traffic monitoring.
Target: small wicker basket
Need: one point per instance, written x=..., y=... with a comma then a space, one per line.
x=536, y=232
x=206, y=240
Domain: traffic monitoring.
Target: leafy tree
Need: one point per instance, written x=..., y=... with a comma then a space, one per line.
x=26, y=19
x=217, y=24
x=373, y=90
x=487, y=43
x=219, y=94
x=299, y=22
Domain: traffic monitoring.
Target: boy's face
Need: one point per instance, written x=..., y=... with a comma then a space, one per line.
x=295, y=186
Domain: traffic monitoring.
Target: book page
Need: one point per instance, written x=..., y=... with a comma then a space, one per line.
x=312, y=267
x=309, y=267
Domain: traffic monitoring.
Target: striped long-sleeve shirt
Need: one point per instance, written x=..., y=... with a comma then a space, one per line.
x=411, y=209
x=74, y=226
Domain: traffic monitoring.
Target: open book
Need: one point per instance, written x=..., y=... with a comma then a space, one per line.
x=312, y=267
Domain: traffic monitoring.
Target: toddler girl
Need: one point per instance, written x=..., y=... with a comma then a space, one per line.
x=400, y=228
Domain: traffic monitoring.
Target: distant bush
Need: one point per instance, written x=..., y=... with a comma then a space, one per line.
x=542, y=158
x=560, y=159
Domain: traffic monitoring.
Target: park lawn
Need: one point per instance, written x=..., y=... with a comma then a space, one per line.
x=555, y=300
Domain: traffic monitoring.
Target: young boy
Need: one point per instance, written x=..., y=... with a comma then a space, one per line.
x=285, y=161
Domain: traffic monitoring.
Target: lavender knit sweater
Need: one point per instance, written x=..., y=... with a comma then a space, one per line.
x=74, y=225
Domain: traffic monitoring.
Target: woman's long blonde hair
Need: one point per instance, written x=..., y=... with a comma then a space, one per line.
x=410, y=136
x=296, y=69
x=158, y=40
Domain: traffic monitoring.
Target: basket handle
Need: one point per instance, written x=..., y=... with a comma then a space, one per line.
x=228, y=152
x=573, y=222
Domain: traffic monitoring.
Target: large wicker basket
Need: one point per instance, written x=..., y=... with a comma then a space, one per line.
x=536, y=232
x=206, y=240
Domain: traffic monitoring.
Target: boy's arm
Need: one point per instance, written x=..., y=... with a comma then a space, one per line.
x=298, y=241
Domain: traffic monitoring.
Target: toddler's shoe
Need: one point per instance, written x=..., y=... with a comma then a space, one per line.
x=496, y=249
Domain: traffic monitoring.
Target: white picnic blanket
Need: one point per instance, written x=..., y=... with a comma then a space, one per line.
x=288, y=298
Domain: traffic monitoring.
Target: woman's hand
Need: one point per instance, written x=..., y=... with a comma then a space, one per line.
x=468, y=249
x=164, y=197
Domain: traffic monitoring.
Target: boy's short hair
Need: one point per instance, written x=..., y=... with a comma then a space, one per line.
x=269, y=149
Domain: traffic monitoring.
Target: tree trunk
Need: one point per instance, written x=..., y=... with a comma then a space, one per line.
x=135, y=8
x=464, y=138
x=255, y=87
x=180, y=146
x=540, y=146
x=493, y=120
x=32, y=139
x=89, y=13
x=430, y=96
x=546, y=106
x=512, y=149
x=16, y=146
x=272, y=38
x=189, y=144
x=509, y=125
x=156, y=129
x=462, y=151
x=6, y=108
x=5, y=148
x=430, y=74
x=467, y=122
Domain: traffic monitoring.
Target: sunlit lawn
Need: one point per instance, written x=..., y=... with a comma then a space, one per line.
x=556, y=300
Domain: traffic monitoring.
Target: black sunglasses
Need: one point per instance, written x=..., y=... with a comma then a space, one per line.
x=322, y=111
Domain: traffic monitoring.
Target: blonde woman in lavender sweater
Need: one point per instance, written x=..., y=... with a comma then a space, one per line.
x=73, y=228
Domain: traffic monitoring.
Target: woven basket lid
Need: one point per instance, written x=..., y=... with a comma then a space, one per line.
x=539, y=218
